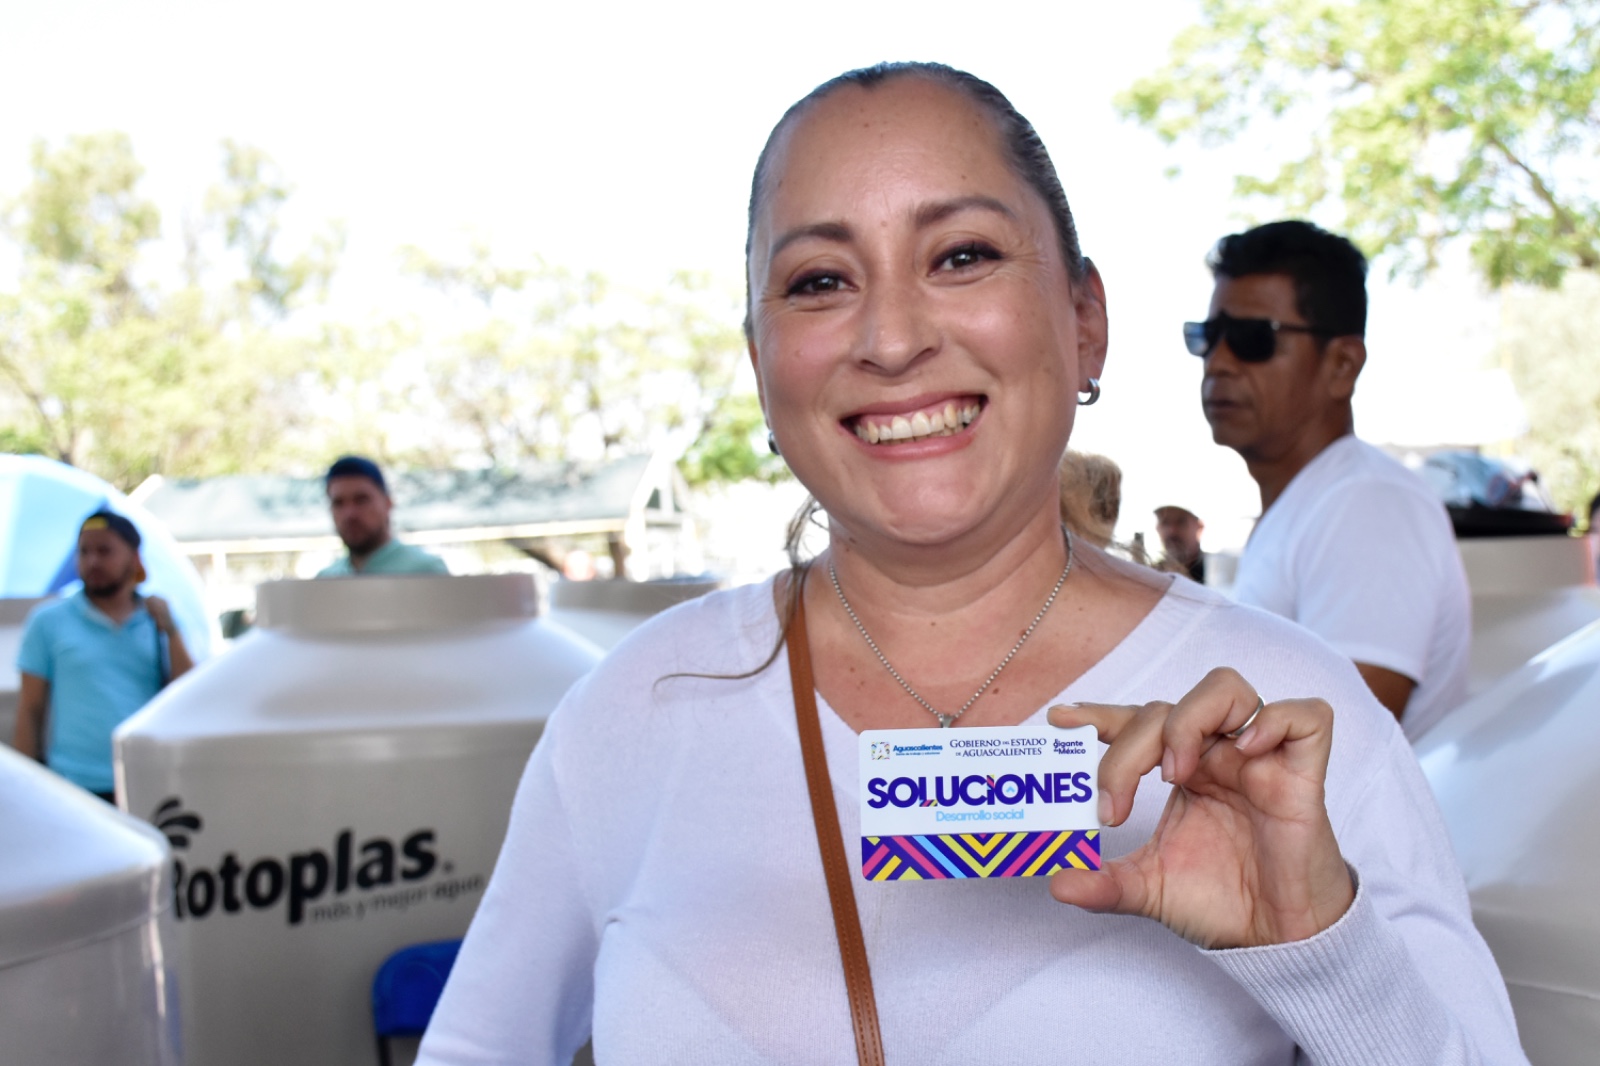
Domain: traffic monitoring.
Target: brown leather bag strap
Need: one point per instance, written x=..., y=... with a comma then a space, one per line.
x=841, y=890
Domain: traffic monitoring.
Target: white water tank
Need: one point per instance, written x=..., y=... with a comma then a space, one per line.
x=1515, y=770
x=82, y=887
x=341, y=782
x=1527, y=593
x=13, y=612
x=607, y=611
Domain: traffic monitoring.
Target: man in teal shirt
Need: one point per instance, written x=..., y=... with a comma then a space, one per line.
x=359, y=501
x=90, y=660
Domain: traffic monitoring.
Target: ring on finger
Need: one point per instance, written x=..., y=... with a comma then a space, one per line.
x=1236, y=733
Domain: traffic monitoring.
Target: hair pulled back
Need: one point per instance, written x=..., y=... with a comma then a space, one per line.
x=1028, y=159
x=1025, y=152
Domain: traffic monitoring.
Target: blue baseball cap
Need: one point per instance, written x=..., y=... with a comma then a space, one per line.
x=356, y=466
x=103, y=519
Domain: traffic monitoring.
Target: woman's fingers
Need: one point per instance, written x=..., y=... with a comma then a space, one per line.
x=1118, y=888
x=1243, y=853
x=1302, y=729
x=1178, y=736
x=1222, y=701
x=1108, y=719
x=1134, y=734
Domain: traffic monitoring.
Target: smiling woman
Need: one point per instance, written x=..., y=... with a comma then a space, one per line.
x=885, y=296
x=921, y=323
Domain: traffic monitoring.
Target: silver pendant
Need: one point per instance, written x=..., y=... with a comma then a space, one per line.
x=944, y=719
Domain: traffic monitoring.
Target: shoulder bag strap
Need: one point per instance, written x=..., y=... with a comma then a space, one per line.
x=163, y=670
x=163, y=659
x=841, y=891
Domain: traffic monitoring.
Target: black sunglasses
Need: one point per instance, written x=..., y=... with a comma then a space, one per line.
x=1252, y=340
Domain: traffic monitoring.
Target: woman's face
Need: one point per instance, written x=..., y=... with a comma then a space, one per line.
x=916, y=337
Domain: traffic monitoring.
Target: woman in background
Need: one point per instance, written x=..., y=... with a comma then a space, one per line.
x=1091, y=496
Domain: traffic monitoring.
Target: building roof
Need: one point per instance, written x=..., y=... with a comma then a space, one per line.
x=265, y=512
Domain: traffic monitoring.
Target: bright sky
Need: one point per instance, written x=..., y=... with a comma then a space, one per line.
x=620, y=137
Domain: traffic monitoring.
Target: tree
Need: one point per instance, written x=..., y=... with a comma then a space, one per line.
x=733, y=446
x=1548, y=341
x=1427, y=120
x=227, y=362
x=108, y=365
x=245, y=208
x=556, y=365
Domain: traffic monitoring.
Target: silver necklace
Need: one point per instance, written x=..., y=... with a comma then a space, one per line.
x=946, y=720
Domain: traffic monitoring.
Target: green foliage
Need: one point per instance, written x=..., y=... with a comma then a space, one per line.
x=733, y=446
x=1427, y=120
x=18, y=441
x=245, y=206
x=362, y=403
x=82, y=213
x=107, y=367
x=556, y=363
x=1548, y=342
x=230, y=363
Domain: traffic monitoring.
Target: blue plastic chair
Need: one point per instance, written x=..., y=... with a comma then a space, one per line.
x=406, y=988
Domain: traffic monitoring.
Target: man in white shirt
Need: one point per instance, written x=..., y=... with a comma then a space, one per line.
x=1350, y=544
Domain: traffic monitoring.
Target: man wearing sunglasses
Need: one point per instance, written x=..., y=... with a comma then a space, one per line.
x=1350, y=544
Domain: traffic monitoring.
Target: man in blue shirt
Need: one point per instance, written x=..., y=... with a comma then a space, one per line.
x=359, y=501
x=90, y=660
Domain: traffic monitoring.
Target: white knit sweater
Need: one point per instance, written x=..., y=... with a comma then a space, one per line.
x=660, y=887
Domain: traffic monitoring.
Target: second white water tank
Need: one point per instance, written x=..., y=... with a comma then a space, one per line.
x=1527, y=593
x=607, y=611
x=1515, y=771
x=337, y=787
x=83, y=975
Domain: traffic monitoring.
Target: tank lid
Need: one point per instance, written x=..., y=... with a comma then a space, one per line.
x=397, y=604
x=76, y=869
x=630, y=597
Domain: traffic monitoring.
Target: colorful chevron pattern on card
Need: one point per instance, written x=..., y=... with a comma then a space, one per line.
x=940, y=857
